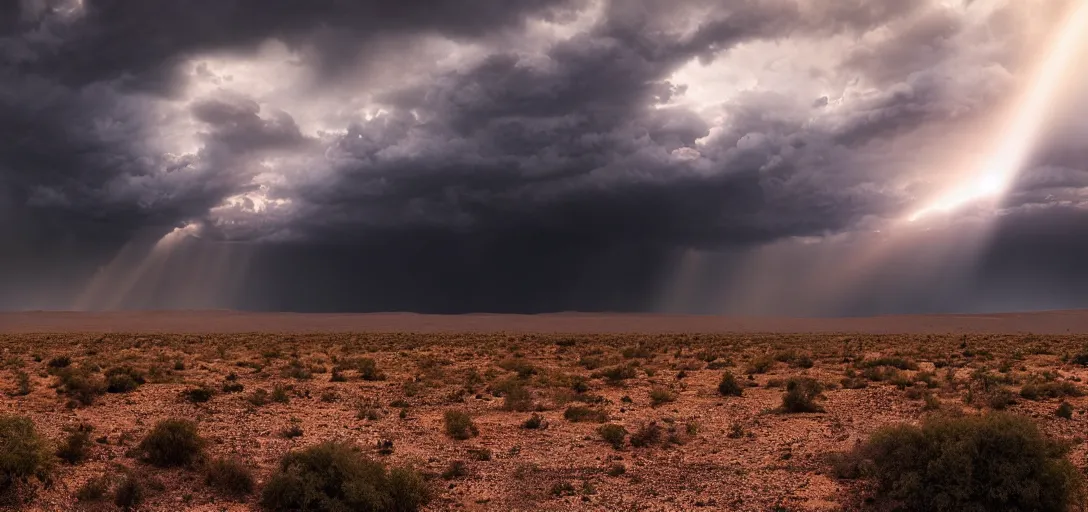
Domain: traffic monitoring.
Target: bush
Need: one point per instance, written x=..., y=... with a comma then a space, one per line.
x=80, y=385
x=198, y=395
x=60, y=362
x=335, y=476
x=173, y=442
x=232, y=387
x=368, y=370
x=613, y=434
x=659, y=396
x=534, y=422
x=459, y=425
x=993, y=462
x=76, y=445
x=129, y=493
x=456, y=469
x=1064, y=411
x=578, y=413
x=23, y=453
x=761, y=364
x=258, y=398
x=647, y=435
x=123, y=379
x=280, y=395
x=1049, y=390
x=22, y=383
x=729, y=385
x=93, y=490
x=517, y=397
x=617, y=374
x=229, y=476
x=801, y=395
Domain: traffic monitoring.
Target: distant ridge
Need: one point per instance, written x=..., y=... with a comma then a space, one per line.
x=221, y=321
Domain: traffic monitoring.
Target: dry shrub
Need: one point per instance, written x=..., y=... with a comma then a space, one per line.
x=23, y=453
x=995, y=461
x=337, y=476
x=459, y=425
x=229, y=476
x=173, y=442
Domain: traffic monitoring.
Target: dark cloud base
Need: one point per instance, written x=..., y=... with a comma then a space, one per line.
x=539, y=175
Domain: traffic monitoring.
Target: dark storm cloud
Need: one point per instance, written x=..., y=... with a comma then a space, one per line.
x=144, y=39
x=525, y=172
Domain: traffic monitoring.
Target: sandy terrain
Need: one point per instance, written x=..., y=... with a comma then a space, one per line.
x=715, y=452
x=1051, y=322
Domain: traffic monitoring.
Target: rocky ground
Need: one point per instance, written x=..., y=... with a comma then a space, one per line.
x=712, y=451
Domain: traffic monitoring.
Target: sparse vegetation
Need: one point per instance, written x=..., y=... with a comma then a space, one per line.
x=990, y=462
x=130, y=493
x=578, y=413
x=660, y=396
x=613, y=434
x=801, y=395
x=173, y=442
x=517, y=383
x=229, y=476
x=24, y=454
x=334, y=476
x=123, y=379
x=459, y=425
x=76, y=445
x=729, y=386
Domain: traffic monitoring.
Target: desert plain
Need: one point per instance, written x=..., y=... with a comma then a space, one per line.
x=530, y=399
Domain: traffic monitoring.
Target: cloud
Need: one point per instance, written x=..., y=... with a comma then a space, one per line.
x=591, y=129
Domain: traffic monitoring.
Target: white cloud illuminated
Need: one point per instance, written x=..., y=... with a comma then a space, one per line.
x=1021, y=131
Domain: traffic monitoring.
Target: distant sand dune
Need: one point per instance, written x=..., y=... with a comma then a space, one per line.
x=1050, y=322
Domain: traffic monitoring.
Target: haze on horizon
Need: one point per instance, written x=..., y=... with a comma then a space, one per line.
x=771, y=157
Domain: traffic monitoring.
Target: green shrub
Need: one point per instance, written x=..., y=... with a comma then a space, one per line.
x=761, y=364
x=1053, y=389
x=578, y=413
x=456, y=469
x=232, y=387
x=659, y=396
x=123, y=379
x=76, y=445
x=258, y=398
x=801, y=395
x=613, y=434
x=1064, y=411
x=459, y=425
x=22, y=383
x=198, y=395
x=80, y=385
x=534, y=422
x=280, y=395
x=60, y=362
x=617, y=374
x=368, y=370
x=23, y=453
x=173, y=442
x=229, y=476
x=517, y=397
x=130, y=493
x=334, y=476
x=991, y=462
x=1000, y=399
x=729, y=385
x=648, y=434
x=93, y=490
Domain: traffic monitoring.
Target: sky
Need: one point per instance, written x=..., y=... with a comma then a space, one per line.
x=751, y=157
